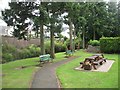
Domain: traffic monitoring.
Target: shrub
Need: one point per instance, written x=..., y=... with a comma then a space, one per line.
x=110, y=44
x=34, y=50
x=21, y=54
x=27, y=53
x=7, y=57
x=47, y=47
x=37, y=51
x=18, y=55
x=11, y=53
x=94, y=42
x=77, y=43
x=8, y=48
x=60, y=47
x=8, y=53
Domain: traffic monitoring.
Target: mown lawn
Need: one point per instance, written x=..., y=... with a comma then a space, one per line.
x=21, y=78
x=71, y=78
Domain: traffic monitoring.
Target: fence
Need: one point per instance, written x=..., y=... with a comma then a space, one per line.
x=19, y=43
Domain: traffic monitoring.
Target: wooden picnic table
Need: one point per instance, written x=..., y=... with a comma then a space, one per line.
x=99, y=55
x=94, y=60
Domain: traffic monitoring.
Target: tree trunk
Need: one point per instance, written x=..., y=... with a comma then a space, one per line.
x=71, y=41
x=74, y=41
x=94, y=34
x=37, y=34
x=42, y=40
x=83, y=38
x=52, y=45
x=79, y=38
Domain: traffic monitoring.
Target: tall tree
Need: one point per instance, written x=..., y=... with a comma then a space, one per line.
x=69, y=8
x=97, y=17
x=54, y=23
x=16, y=16
x=80, y=20
x=112, y=20
x=118, y=16
x=41, y=18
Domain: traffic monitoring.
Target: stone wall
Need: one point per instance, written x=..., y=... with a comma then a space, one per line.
x=95, y=49
x=19, y=43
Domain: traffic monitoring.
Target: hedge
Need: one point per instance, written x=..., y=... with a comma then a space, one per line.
x=110, y=44
x=94, y=42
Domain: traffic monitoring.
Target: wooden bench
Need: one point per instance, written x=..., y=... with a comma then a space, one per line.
x=69, y=52
x=44, y=58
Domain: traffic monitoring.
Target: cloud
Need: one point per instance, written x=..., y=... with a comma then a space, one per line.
x=4, y=4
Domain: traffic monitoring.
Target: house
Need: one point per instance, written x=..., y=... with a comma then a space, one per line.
x=4, y=29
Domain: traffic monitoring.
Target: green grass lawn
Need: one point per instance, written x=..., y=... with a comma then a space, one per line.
x=21, y=78
x=71, y=78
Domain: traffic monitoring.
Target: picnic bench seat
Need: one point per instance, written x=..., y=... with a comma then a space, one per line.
x=81, y=62
x=69, y=52
x=99, y=62
x=44, y=58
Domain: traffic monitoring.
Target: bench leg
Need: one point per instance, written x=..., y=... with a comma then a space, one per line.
x=94, y=66
x=82, y=66
x=52, y=60
x=40, y=64
x=101, y=63
x=104, y=60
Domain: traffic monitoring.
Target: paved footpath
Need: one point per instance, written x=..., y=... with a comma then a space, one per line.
x=46, y=77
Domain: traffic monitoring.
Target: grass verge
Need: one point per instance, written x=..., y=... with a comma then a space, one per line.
x=71, y=78
x=13, y=76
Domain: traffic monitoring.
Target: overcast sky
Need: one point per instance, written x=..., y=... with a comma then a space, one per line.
x=4, y=4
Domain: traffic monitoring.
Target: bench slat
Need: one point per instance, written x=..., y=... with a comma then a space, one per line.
x=45, y=57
